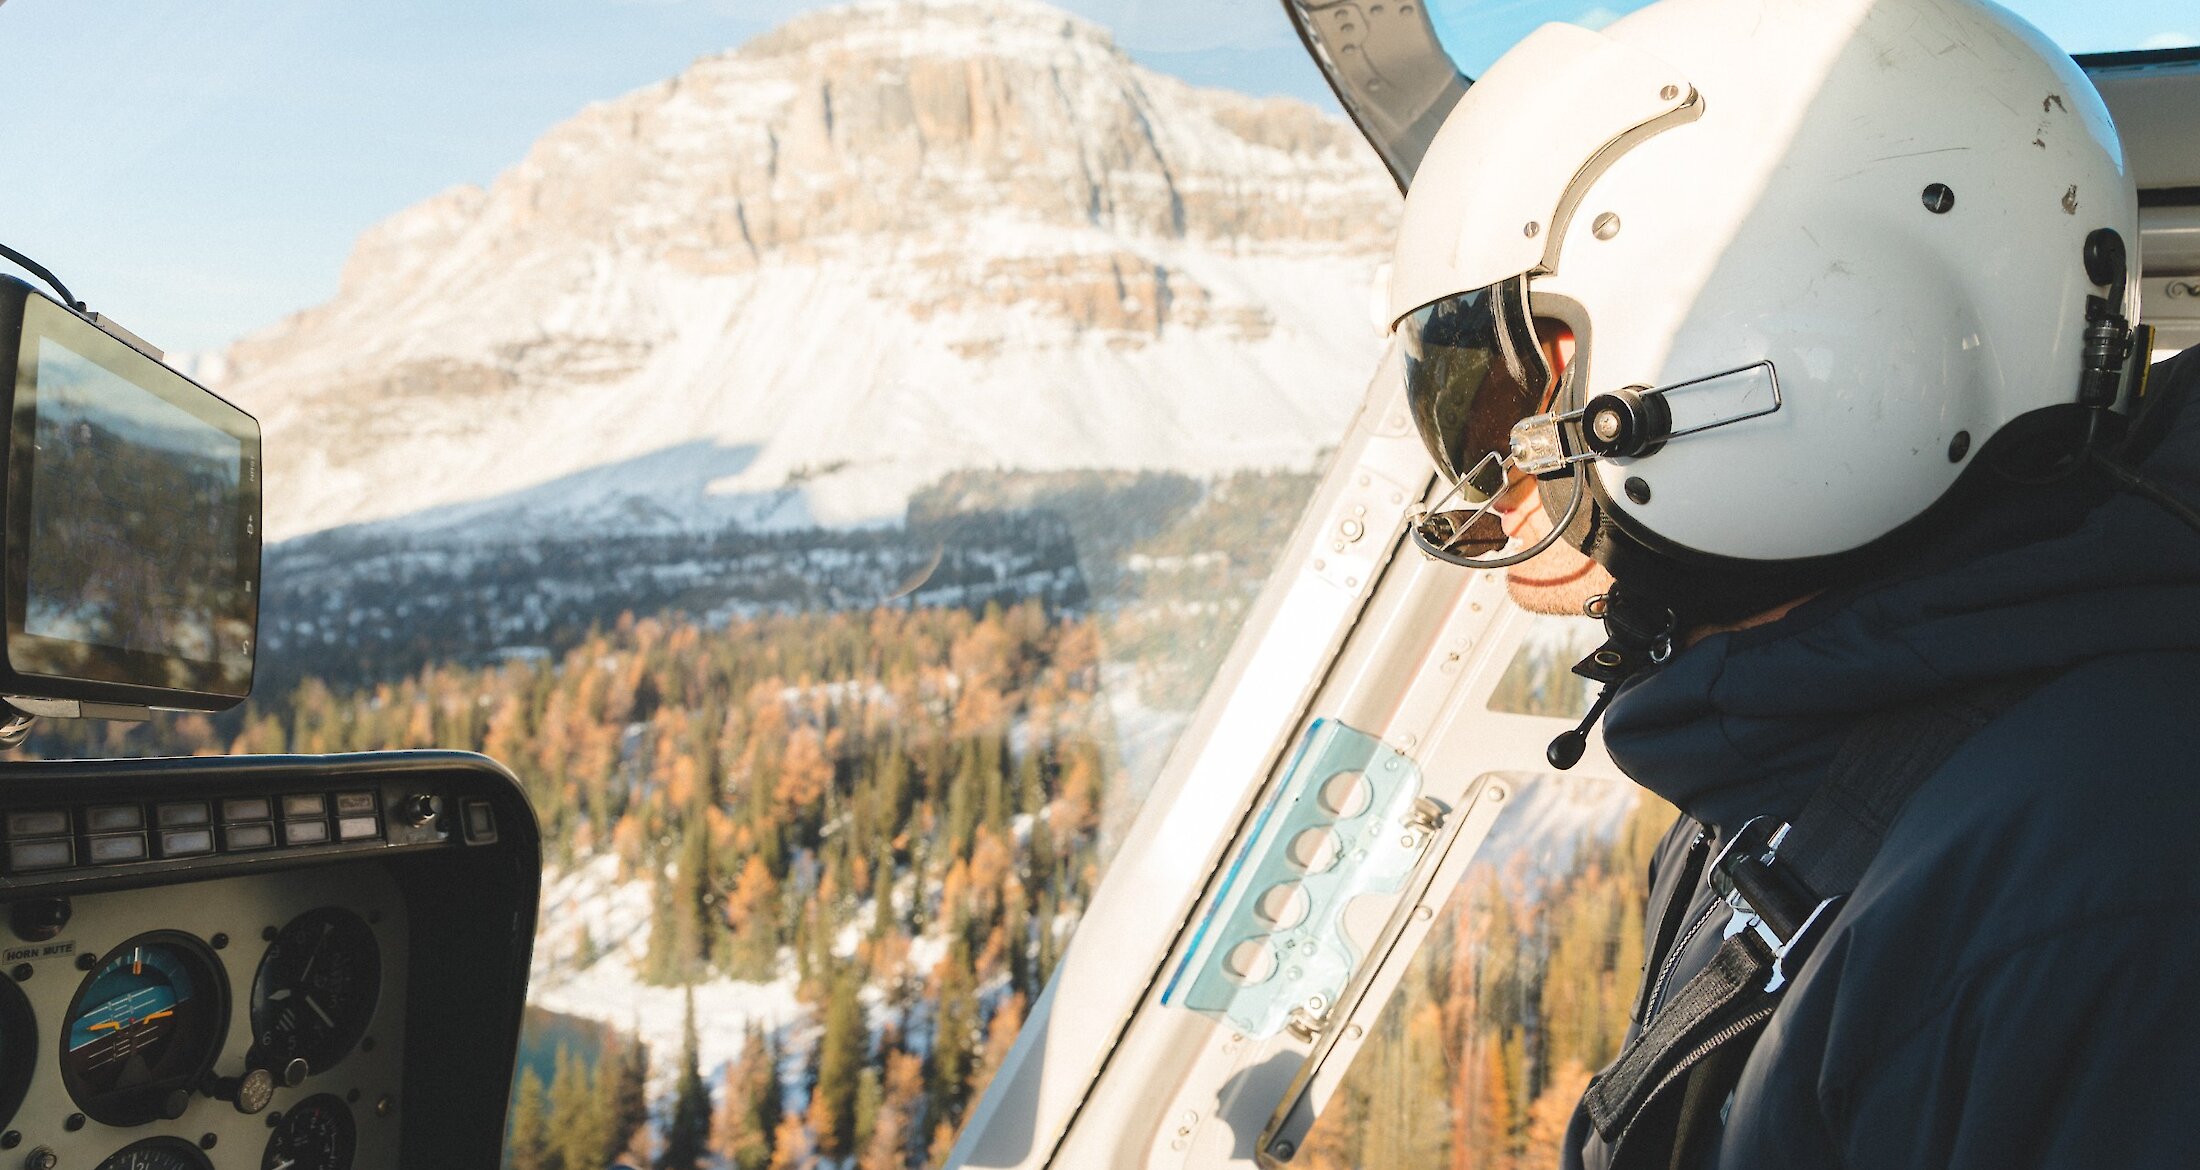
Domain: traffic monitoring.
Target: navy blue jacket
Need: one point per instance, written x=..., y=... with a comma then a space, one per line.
x=2016, y=980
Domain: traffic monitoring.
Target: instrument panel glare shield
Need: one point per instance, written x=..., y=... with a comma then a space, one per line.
x=1339, y=826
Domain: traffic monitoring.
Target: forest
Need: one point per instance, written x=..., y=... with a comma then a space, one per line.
x=819, y=791
x=1522, y=990
x=900, y=809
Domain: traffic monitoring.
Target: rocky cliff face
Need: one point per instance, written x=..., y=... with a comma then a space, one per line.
x=807, y=275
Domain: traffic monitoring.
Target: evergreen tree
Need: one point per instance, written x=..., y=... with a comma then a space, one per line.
x=954, y=1036
x=882, y=898
x=526, y=1146
x=625, y=1090
x=870, y=1097
x=679, y=944
x=579, y=1125
x=688, y=1133
x=839, y=1061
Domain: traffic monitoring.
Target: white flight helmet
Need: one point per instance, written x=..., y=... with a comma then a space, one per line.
x=1814, y=255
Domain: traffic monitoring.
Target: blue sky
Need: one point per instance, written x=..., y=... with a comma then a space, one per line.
x=198, y=168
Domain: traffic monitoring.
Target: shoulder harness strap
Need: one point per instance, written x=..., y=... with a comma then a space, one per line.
x=1784, y=882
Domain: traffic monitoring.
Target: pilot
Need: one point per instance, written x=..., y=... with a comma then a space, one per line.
x=1811, y=324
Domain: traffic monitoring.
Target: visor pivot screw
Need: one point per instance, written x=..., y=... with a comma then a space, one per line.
x=1533, y=229
x=1637, y=490
x=1959, y=446
x=1669, y=93
x=1606, y=226
x=1939, y=198
x=1627, y=424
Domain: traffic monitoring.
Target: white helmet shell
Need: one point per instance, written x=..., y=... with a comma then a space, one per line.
x=1886, y=200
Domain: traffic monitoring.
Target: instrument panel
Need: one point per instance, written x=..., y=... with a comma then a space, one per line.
x=255, y=1012
x=207, y=1007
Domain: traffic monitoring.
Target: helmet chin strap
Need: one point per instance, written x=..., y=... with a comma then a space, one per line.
x=1638, y=634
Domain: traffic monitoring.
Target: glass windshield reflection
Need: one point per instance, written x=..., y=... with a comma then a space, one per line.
x=1521, y=991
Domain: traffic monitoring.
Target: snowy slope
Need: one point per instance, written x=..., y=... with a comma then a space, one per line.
x=813, y=273
x=591, y=901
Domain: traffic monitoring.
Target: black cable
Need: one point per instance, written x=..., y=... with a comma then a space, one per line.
x=2065, y=467
x=2138, y=485
x=43, y=273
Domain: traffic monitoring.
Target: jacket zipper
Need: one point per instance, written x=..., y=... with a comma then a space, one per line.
x=1680, y=1069
x=1670, y=939
x=1656, y=998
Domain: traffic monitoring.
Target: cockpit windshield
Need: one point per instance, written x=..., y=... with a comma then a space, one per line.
x=1477, y=32
x=1398, y=67
x=881, y=475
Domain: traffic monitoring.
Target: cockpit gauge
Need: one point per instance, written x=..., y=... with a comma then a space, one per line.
x=316, y=990
x=143, y=1030
x=161, y=1153
x=18, y=1049
x=315, y=1135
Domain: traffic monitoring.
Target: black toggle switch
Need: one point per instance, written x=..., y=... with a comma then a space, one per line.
x=420, y=809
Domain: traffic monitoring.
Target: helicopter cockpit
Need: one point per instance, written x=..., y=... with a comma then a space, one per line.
x=1463, y=919
x=855, y=606
x=316, y=961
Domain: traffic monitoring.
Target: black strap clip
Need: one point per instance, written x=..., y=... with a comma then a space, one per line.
x=1768, y=899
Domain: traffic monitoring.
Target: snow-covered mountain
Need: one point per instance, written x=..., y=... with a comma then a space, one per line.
x=813, y=273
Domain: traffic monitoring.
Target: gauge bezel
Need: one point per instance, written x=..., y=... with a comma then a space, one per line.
x=327, y=1056
x=18, y=1061
x=140, y=1104
x=175, y=1145
x=290, y=1116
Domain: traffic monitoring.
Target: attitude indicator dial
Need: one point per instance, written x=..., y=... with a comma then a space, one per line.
x=143, y=1029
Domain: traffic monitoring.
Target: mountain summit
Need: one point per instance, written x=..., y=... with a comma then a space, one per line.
x=808, y=275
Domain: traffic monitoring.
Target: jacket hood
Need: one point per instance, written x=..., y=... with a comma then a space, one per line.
x=1744, y=723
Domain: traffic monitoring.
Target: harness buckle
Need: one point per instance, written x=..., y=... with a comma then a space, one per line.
x=1766, y=898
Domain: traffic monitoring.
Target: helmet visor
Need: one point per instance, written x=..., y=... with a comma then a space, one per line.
x=1474, y=367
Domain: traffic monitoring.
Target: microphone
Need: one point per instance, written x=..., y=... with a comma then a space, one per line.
x=1639, y=635
x=1565, y=751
